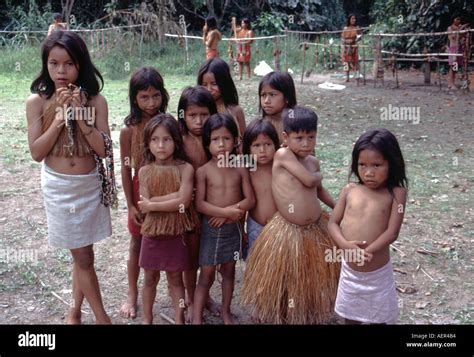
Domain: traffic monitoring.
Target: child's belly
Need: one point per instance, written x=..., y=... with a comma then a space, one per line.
x=71, y=165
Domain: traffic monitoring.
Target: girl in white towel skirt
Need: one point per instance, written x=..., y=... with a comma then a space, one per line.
x=367, y=218
x=68, y=130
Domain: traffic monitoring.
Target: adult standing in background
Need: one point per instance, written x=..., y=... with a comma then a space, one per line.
x=211, y=37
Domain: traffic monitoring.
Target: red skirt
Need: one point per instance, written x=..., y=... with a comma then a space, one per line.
x=166, y=253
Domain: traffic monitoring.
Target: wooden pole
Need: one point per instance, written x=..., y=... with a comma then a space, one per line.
x=316, y=62
x=304, y=61
x=363, y=61
x=286, y=49
x=467, y=49
x=324, y=52
x=439, y=76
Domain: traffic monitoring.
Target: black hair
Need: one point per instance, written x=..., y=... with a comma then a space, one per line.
x=198, y=96
x=247, y=22
x=211, y=23
x=348, y=22
x=57, y=16
x=170, y=123
x=299, y=119
x=386, y=144
x=282, y=82
x=142, y=79
x=215, y=122
x=88, y=75
x=255, y=128
x=224, y=80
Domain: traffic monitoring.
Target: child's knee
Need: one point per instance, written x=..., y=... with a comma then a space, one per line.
x=175, y=280
x=206, y=278
x=83, y=258
x=228, y=271
x=151, y=278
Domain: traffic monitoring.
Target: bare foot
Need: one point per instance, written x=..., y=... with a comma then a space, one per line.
x=189, y=314
x=255, y=318
x=73, y=317
x=129, y=308
x=213, y=307
x=228, y=318
x=104, y=321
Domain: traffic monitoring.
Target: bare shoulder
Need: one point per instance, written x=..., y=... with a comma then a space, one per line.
x=351, y=186
x=125, y=132
x=202, y=171
x=236, y=110
x=243, y=172
x=35, y=100
x=185, y=167
x=98, y=100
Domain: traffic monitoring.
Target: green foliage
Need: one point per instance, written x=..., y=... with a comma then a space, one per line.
x=398, y=16
x=310, y=14
x=268, y=24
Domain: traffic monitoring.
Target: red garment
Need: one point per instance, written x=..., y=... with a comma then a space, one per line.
x=132, y=227
x=244, y=53
x=211, y=53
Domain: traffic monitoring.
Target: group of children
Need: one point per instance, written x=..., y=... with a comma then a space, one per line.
x=190, y=207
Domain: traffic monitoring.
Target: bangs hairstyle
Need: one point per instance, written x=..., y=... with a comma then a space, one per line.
x=142, y=79
x=215, y=122
x=88, y=75
x=172, y=126
x=198, y=96
x=386, y=144
x=299, y=119
x=255, y=128
x=224, y=80
x=348, y=22
x=282, y=82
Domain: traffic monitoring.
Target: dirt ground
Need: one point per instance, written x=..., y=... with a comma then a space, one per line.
x=432, y=257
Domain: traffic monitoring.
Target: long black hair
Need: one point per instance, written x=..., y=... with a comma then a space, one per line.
x=386, y=144
x=142, y=79
x=348, y=22
x=224, y=80
x=88, y=75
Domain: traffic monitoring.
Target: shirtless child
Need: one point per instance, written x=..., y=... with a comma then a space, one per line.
x=367, y=218
x=260, y=140
x=287, y=261
x=223, y=195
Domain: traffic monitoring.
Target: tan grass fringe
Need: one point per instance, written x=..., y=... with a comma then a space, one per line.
x=80, y=148
x=287, y=280
x=160, y=181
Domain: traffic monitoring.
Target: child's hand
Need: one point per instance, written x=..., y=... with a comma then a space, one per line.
x=234, y=214
x=144, y=205
x=63, y=96
x=217, y=222
x=135, y=215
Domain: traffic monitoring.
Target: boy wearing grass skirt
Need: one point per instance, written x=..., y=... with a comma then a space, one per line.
x=287, y=280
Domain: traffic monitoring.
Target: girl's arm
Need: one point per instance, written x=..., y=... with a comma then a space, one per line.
x=394, y=223
x=205, y=207
x=101, y=122
x=126, y=172
x=175, y=204
x=42, y=143
x=287, y=159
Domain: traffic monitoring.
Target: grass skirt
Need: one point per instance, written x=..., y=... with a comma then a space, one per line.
x=287, y=280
